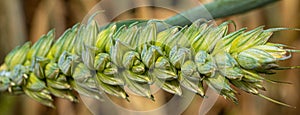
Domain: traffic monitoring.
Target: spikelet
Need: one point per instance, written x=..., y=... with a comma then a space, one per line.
x=92, y=62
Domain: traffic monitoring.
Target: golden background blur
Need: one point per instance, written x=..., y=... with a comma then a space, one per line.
x=27, y=20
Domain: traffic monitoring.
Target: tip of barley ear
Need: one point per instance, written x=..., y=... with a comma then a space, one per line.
x=275, y=101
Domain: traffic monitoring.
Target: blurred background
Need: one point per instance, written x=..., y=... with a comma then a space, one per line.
x=27, y=20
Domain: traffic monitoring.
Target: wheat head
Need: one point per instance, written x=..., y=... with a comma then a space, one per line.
x=91, y=61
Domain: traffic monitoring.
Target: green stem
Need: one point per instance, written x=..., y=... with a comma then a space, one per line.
x=217, y=9
x=209, y=11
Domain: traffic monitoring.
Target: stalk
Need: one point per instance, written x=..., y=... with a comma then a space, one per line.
x=217, y=9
